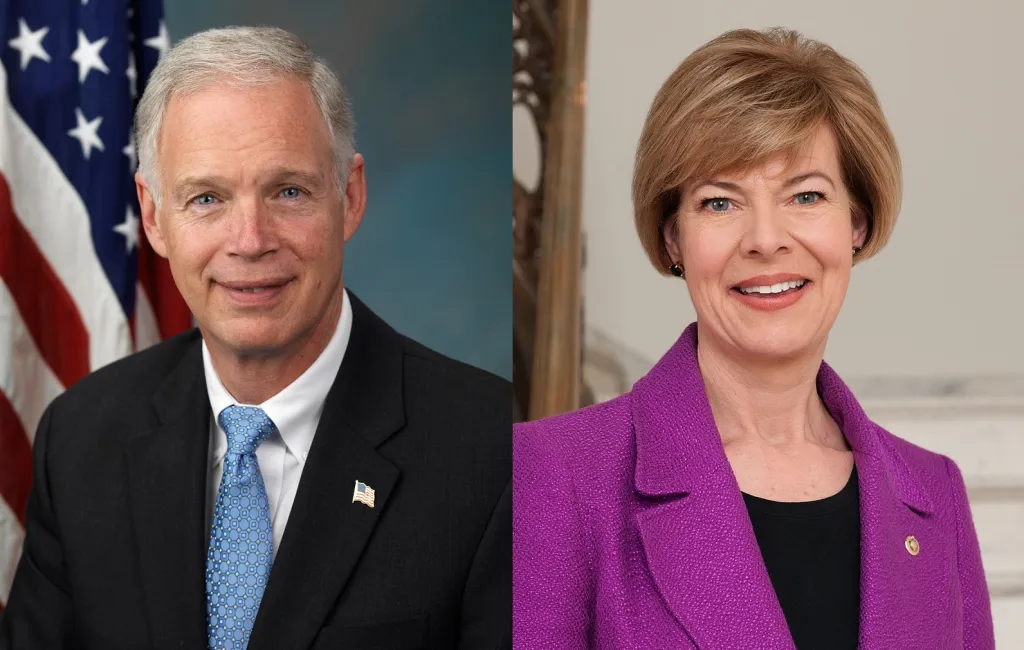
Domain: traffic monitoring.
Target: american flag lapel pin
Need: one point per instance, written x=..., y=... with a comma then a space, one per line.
x=363, y=493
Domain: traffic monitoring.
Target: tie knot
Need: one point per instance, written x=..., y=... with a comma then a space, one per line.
x=246, y=427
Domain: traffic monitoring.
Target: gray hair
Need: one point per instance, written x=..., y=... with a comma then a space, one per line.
x=245, y=57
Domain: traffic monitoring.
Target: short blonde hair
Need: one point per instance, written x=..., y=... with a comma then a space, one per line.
x=746, y=96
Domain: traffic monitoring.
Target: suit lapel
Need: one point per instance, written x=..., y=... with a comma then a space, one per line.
x=697, y=537
x=710, y=572
x=167, y=474
x=898, y=605
x=898, y=608
x=326, y=531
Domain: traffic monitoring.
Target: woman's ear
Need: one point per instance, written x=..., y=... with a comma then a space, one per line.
x=860, y=226
x=670, y=237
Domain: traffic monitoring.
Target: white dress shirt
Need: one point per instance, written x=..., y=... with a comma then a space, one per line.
x=295, y=410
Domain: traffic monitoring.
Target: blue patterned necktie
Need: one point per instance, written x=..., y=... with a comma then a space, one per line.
x=241, y=541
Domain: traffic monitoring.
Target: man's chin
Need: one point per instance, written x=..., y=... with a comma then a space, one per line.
x=252, y=342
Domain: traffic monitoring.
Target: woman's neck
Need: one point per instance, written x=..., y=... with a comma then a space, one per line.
x=766, y=401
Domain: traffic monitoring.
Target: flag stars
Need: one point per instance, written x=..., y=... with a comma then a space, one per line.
x=87, y=133
x=30, y=44
x=131, y=33
x=132, y=75
x=130, y=230
x=129, y=150
x=87, y=56
x=161, y=42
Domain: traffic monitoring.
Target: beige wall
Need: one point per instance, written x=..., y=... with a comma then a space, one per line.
x=931, y=324
x=947, y=296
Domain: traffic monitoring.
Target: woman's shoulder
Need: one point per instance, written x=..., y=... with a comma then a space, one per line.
x=590, y=438
x=596, y=422
x=598, y=415
x=936, y=473
x=914, y=455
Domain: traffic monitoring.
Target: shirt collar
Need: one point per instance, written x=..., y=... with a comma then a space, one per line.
x=297, y=408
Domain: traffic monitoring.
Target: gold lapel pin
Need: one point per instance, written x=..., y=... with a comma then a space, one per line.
x=913, y=547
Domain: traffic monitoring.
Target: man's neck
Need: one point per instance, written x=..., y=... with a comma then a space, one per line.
x=253, y=379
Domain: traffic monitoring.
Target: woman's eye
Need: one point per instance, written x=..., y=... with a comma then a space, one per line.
x=291, y=193
x=717, y=205
x=807, y=198
x=204, y=199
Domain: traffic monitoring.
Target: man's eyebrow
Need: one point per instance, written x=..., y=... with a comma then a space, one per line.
x=300, y=176
x=189, y=184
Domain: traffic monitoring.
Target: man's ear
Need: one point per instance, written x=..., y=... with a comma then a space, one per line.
x=147, y=204
x=355, y=196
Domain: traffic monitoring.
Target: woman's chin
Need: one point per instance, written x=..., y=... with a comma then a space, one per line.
x=775, y=350
x=776, y=342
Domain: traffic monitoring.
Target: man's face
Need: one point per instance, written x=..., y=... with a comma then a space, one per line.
x=250, y=216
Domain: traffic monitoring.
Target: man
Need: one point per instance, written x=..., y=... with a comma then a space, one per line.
x=293, y=474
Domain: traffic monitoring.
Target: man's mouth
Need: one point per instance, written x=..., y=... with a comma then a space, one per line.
x=258, y=292
x=254, y=286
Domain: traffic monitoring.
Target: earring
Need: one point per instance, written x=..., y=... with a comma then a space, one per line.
x=856, y=249
x=676, y=269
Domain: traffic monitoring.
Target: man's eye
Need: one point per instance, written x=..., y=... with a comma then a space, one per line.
x=204, y=199
x=291, y=193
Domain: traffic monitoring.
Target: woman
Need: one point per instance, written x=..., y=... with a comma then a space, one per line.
x=738, y=496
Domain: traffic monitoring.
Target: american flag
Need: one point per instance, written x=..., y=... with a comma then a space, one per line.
x=363, y=493
x=79, y=285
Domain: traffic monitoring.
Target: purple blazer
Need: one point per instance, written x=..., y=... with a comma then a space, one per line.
x=630, y=531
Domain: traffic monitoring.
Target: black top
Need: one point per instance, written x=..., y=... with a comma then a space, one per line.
x=812, y=552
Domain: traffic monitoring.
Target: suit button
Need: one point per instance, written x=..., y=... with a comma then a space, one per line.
x=913, y=547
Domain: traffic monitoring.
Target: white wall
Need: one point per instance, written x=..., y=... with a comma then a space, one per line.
x=946, y=296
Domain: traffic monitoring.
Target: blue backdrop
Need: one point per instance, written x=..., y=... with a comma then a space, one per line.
x=430, y=88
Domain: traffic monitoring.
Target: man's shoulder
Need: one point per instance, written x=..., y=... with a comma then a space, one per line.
x=427, y=372
x=136, y=376
x=455, y=400
x=435, y=372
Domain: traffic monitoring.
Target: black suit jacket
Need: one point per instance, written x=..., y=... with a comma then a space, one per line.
x=115, y=546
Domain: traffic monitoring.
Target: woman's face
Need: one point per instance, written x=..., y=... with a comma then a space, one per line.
x=767, y=252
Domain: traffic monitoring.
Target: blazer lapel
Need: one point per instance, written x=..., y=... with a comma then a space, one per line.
x=327, y=531
x=709, y=571
x=898, y=606
x=697, y=537
x=167, y=474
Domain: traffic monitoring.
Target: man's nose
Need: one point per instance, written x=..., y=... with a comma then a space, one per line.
x=253, y=227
